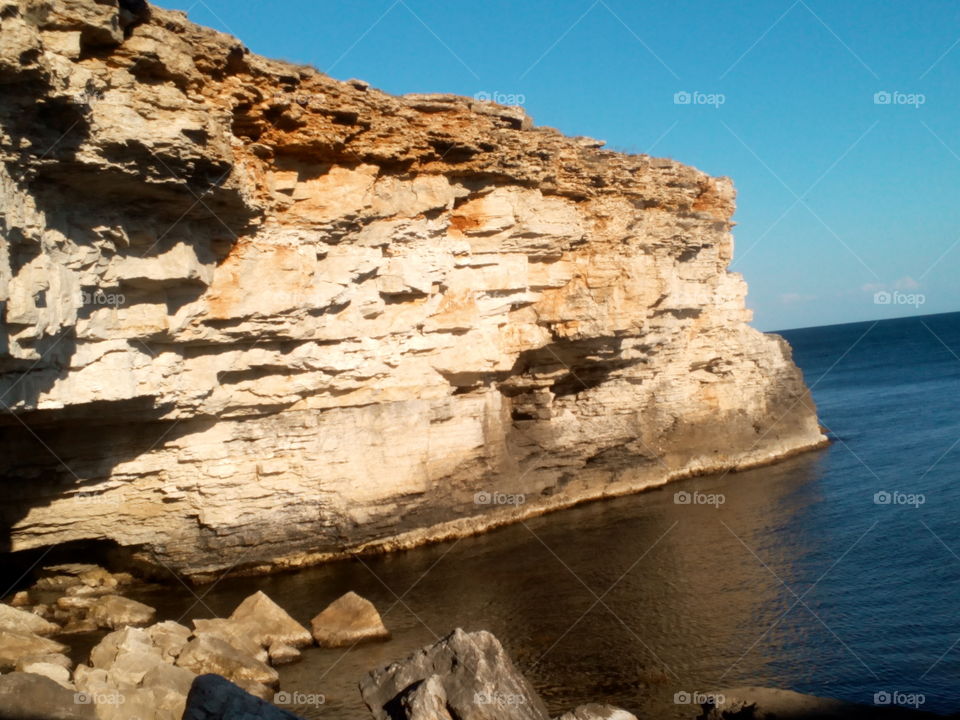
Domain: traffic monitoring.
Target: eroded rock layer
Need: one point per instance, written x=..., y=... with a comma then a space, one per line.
x=253, y=316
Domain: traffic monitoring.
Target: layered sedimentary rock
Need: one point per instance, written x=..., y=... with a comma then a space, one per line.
x=254, y=316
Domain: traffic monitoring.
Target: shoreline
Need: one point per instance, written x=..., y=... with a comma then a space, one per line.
x=472, y=526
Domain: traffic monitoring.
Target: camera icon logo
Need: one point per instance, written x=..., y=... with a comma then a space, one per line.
x=682, y=98
x=882, y=98
x=882, y=498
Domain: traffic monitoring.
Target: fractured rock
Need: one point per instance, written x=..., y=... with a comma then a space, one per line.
x=208, y=654
x=467, y=675
x=347, y=620
x=233, y=633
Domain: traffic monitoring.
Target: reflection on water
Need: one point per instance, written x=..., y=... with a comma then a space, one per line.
x=797, y=580
x=628, y=601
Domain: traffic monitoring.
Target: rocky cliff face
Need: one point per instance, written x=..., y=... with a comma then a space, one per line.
x=253, y=316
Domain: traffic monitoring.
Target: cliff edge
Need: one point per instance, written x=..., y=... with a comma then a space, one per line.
x=254, y=317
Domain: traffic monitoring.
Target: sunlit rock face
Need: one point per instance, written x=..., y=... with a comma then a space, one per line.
x=255, y=317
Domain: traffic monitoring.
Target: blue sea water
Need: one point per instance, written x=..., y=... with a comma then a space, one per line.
x=836, y=572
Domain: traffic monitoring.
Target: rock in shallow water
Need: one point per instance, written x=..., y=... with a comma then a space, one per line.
x=468, y=675
x=116, y=611
x=268, y=623
x=349, y=619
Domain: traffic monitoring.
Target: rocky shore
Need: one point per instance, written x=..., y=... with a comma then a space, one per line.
x=252, y=317
x=226, y=668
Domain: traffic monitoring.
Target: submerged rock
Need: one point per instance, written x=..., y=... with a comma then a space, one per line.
x=468, y=676
x=349, y=619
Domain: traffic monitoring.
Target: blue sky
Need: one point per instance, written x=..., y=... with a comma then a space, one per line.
x=843, y=193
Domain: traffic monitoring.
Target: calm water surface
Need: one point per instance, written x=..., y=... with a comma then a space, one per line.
x=800, y=579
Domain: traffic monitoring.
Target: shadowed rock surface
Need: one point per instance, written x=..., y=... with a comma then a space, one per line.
x=215, y=698
x=468, y=676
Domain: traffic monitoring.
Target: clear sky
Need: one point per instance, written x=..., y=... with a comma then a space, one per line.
x=843, y=193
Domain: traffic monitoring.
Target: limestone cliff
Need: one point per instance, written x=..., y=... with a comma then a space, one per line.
x=253, y=316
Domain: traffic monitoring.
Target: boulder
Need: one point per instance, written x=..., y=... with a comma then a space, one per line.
x=105, y=653
x=170, y=677
x=55, y=671
x=15, y=645
x=348, y=620
x=468, y=676
x=232, y=632
x=115, y=611
x=130, y=667
x=55, y=658
x=169, y=637
x=594, y=711
x=26, y=696
x=269, y=623
x=216, y=698
x=208, y=654
x=23, y=621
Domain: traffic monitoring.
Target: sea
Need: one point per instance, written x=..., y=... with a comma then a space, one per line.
x=834, y=573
